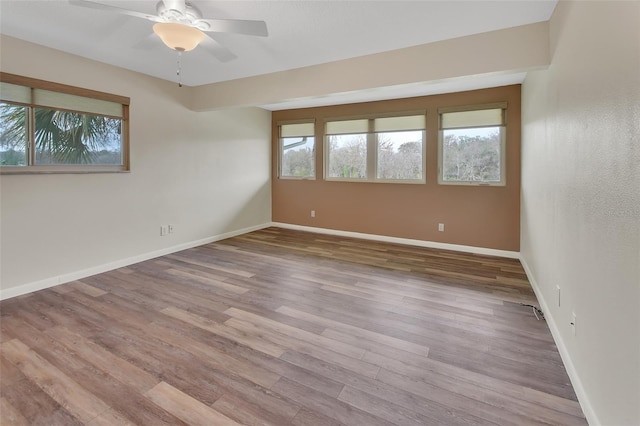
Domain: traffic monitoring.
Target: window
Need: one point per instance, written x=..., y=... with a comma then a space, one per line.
x=347, y=143
x=297, y=150
x=380, y=149
x=472, y=145
x=53, y=128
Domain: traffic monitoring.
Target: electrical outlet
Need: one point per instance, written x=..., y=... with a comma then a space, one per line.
x=441, y=227
x=558, y=293
x=170, y=229
x=313, y=213
x=573, y=322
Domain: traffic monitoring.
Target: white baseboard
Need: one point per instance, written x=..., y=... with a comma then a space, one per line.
x=77, y=275
x=406, y=241
x=583, y=398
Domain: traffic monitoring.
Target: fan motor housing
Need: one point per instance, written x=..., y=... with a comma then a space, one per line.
x=191, y=15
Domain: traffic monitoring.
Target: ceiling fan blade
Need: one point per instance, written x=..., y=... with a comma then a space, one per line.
x=237, y=26
x=220, y=52
x=179, y=5
x=101, y=6
x=149, y=42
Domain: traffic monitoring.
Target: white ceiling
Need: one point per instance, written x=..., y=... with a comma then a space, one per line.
x=301, y=33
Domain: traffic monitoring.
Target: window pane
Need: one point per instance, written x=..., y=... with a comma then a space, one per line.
x=73, y=138
x=347, y=156
x=400, y=155
x=298, y=159
x=471, y=155
x=13, y=135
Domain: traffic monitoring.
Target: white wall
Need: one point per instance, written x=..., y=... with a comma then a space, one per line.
x=207, y=173
x=580, y=226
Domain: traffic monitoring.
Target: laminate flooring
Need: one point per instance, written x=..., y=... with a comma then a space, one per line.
x=282, y=327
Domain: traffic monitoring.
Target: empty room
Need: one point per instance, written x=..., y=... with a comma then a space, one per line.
x=319, y=212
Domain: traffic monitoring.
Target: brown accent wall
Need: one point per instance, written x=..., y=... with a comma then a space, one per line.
x=480, y=216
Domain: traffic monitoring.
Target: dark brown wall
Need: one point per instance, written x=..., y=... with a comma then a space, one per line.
x=481, y=216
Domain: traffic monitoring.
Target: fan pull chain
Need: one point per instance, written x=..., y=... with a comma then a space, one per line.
x=179, y=69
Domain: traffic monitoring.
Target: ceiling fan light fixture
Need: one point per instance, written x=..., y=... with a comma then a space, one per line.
x=180, y=37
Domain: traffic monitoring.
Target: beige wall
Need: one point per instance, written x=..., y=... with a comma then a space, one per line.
x=206, y=173
x=192, y=169
x=516, y=49
x=580, y=206
x=478, y=216
x=581, y=200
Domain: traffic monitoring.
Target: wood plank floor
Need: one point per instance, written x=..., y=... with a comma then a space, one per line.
x=280, y=327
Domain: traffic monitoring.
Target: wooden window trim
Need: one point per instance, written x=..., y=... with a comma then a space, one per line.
x=280, y=153
x=372, y=159
x=77, y=91
x=63, y=88
x=503, y=142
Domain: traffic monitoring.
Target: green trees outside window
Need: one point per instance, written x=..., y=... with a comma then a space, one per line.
x=48, y=127
x=60, y=137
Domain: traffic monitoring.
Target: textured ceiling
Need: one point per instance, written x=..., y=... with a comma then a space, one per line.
x=301, y=33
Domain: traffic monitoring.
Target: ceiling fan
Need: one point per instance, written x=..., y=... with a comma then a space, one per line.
x=180, y=26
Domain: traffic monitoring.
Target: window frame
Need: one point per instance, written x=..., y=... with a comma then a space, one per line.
x=281, y=148
x=503, y=142
x=372, y=148
x=31, y=167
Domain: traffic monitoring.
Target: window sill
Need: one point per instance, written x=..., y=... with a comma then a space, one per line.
x=388, y=181
x=463, y=183
x=37, y=170
x=296, y=178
